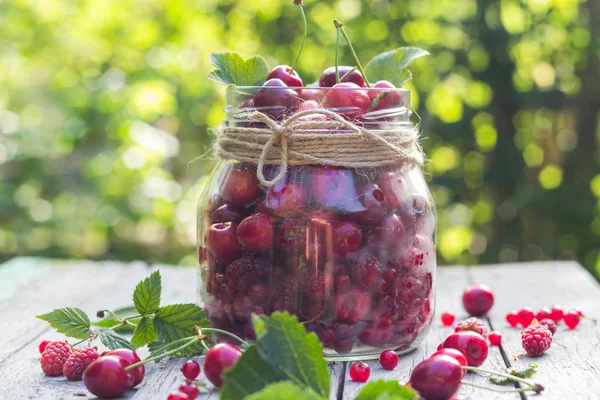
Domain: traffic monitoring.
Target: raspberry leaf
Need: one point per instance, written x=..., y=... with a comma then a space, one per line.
x=232, y=69
x=70, y=321
x=146, y=296
x=113, y=340
x=144, y=333
x=177, y=321
x=284, y=390
x=391, y=65
x=386, y=389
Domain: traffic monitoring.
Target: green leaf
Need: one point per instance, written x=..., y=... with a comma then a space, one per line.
x=70, y=321
x=391, y=65
x=109, y=321
x=386, y=390
x=232, y=69
x=284, y=352
x=176, y=322
x=284, y=390
x=259, y=323
x=113, y=340
x=144, y=333
x=146, y=296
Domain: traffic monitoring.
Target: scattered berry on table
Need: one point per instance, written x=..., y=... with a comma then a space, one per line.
x=472, y=324
x=438, y=377
x=191, y=370
x=572, y=319
x=54, y=357
x=43, y=345
x=543, y=314
x=447, y=319
x=78, y=362
x=536, y=339
x=550, y=324
x=526, y=315
x=130, y=357
x=106, y=377
x=388, y=360
x=512, y=318
x=478, y=299
x=471, y=344
x=457, y=355
x=360, y=372
x=190, y=389
x=178, y=396
x=219, y=358
x=495, y=338
x=556, y=313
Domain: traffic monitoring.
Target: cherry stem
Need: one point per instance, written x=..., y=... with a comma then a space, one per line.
x=225, y=333
x=508, y=376
x=337, y=49
x=347, y=73
x=158, y=357
x=360, y=68
x=173, y=343
x=494, y=389
x=303, y=38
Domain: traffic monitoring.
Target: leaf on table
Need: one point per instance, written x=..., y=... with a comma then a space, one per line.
x=177, y=321
x=388, y=390
x=70, y=321
x=146, y=296
x=284, y=390
x=144, y=333
x=391, y=65
x=113, y=340
x=232, y=69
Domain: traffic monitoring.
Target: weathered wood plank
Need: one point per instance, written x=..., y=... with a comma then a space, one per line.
x=567, y=373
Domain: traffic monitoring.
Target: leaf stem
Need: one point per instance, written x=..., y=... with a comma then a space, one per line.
x=515, y=390
x=303, y=38
x=158, y=357
x=360, y=68
x=226, y=333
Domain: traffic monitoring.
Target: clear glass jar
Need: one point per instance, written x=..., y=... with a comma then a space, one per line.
x=350, y=252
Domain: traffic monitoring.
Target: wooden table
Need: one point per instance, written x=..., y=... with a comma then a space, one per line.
x=30, y=286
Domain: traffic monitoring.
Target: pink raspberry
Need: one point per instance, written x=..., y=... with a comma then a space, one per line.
x=78, y=362
x=245, y=271
x=536, y=339
x=54, y=357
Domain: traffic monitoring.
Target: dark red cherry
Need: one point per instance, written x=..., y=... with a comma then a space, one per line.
x=285, y=199
x=282, y=72
x=221, y=240
x=226, y=213
x=437, y=378
x=328, y=79
x=384, y=99
x=348, y=100
x=347, y=237
x=471, y=344
x=221, y=357
x=106, y=377
x=131, y=357
x=255, y=232
x=373, y=206
x=276, y=99
x=238, y=185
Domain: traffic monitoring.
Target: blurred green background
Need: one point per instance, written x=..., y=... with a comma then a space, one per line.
x=104, y=104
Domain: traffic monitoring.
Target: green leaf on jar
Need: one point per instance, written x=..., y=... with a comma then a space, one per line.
x=391, y=65
x=389, y=390
x=232, y=69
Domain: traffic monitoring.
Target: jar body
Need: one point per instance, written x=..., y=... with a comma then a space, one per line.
x=350, y=252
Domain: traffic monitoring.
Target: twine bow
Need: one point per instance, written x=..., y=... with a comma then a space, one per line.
x=303, y=140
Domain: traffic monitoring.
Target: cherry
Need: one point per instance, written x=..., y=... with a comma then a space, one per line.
x=457, y=355
x=222, y=241
x=478, y=299
x=328, y=79
x=373, y=206
x=525, y=316
x=286, y=75
x=352, y=306
x=394, y=188
x=179, y=396
x=130, y=357
x=333, y=188
x=379, y=331
x=384, y=99
x=391, y=231
x=388, y=360
x=471, y=344
x=343, y=346
x=495, y=338
x=311, y=105
x=285, y=199
x=315, y=95
x=190, y=390
x=276, y=99
x=556, y=313
x=447, y=319
x=106, y=377
x=226, y=213
x=572, y=319
x=360, y=372
x=512, y=318
x=437, y=378
x=543, y=314
x=191, y=370
x=347, y=99
x=239, y=186
x=347, y=237
x=219, y=358
x=255, y=232
x=43, y=345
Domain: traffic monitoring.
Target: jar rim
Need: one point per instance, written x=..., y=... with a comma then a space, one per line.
x=319, y=88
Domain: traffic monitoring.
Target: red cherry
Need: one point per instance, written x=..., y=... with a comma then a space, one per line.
x=255, y=232
x=226, y=213
x=352, y=306
x=239, y=186
x=471, y=344
x=388, y=360
x=394, y=188
x=327, y=78
x=512, y=318
x=222, y=241
x=178, y=396
x=572, y=319
x=285, y=199
x=282, y=72
x=478, y=299
x=526, y=315
x=391, y=231
x=276, y=99
x=347, y=237
x=106, y=377
x=43, y=345
x=457, y=355
x=130, y=357
x=384, y=99
x=190, y=390
x=191, y=370
x=360, y=372
x=373, y=206
x=315, y=95
x=219, y=358
x=447, y=319
x=495, y=338
x=556, y=313
x=437, y=378
x=348, y=100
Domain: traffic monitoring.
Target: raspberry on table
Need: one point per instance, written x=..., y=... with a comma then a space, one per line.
x=536, y=339
x=78, y=362
x=550, y=324
x=54, y=357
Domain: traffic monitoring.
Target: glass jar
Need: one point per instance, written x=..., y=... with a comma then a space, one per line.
x=349, y=251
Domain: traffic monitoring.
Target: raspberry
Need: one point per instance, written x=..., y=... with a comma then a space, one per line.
x=54, y=357
x=314, y=287
x=78, y=362
x=286, y=296
x=550, y=324
x=472, y=324
x=536, y=339
x=245, y=271
x=365, y=269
